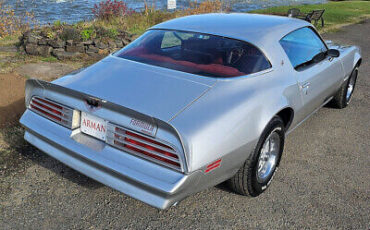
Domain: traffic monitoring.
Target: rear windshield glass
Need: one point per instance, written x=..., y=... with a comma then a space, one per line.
x=196, y=53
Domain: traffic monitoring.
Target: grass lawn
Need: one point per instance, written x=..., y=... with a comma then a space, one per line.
x=336, y=14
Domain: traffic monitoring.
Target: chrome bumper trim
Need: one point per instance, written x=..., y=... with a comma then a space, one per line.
x=155, y=185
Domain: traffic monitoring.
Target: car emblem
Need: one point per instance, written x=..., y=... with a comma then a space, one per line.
x=143, y=126
x=93, y=104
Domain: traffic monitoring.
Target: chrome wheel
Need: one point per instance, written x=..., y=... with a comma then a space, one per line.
x=268, y=157
x=351, y=86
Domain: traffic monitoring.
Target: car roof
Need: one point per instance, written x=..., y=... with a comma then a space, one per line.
x=257, y=29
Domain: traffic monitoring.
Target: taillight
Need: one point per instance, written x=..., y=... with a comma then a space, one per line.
x=56, y=112
x=143, y=146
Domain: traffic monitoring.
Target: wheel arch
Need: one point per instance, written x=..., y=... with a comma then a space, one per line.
x=287, y=115
x=359, y=61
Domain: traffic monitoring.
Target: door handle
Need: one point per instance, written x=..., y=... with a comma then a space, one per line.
x=305, y=87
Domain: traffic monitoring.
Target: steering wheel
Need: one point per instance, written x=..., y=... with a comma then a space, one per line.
x=235, y=55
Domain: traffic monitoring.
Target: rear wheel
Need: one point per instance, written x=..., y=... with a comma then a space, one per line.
x=256, y=174
x=344, y=95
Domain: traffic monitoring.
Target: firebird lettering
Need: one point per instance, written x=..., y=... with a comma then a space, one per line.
x=142, y=124
x=93, y=125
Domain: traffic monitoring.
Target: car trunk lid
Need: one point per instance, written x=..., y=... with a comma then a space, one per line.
x=154, y=91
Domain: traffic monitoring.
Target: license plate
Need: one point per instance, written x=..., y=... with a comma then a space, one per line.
x=93, y=126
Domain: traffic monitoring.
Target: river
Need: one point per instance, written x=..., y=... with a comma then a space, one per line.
x=76, y=10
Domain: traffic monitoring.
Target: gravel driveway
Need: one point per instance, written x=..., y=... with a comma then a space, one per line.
x=323, y=181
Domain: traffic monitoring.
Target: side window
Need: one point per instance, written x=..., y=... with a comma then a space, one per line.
x=302, y=45
x=170, y=40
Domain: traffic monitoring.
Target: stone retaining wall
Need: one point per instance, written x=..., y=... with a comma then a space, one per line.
x=36, y=44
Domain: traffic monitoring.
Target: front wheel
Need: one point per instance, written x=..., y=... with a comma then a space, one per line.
x=256, y=174
x=344, y=95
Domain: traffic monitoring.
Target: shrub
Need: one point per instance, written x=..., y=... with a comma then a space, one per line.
x=207, y=6
x=112, y=33
x=102, y=32
x=138, y=22
x=57, y=23
x=70, y=33
x=109, y=9
x=11, y=24
x=86, y=34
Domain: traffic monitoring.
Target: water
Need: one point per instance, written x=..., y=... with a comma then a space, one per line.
x=76, y=10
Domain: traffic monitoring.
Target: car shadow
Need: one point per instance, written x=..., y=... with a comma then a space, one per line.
x=10, y=114
x=330, y=105
x=225, y=186
x=16, y=145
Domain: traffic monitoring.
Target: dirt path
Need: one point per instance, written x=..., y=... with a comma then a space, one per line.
x=44, y=70
x=323, y=181
x=12, y=98
x=12, y=87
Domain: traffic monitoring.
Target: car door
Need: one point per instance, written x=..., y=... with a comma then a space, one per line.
x=317, y=81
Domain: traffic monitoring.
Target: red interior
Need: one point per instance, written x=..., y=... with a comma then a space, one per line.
x=216, y=68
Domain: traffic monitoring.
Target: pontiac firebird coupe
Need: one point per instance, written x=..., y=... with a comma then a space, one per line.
x=193, y=102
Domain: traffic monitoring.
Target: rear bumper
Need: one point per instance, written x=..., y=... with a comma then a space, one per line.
x=153, y=184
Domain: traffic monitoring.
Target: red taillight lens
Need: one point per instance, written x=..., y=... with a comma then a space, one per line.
x=48, y=110
x=145, y=146
x=150, y=146
x=52, y=110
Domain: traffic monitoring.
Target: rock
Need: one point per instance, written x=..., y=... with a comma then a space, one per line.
x=44, y=51
x=111, y=44
x=21, y=39
x=69, y=42
x=115, y=50
x=57, y=43
x=119, y=43
x=32, y=39
x=56, y=51
x=27, y=34
x=101, y=45
x=44, y=34
x=32, y=49
x=88, y=42
x=77, y=48
x=61, y=54
x=43, y=41
x=103, y=52
x=125, y=41
x=92, y=49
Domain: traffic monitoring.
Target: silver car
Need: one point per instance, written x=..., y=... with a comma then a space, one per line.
x=193, y=102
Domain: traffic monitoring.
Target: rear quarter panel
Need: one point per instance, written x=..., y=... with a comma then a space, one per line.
x=227, y=122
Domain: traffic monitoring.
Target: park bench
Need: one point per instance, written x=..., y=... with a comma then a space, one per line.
x=313, y=16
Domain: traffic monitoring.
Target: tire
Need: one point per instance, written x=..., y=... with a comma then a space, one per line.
x=247, y=181
x=343, y=97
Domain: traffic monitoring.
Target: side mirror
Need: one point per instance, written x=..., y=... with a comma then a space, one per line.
x=319, y=57
x=333, y=53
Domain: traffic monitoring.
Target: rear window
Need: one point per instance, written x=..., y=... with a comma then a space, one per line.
x=196, y=53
